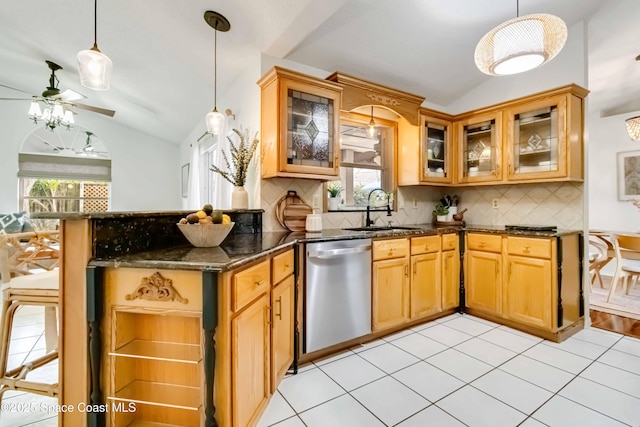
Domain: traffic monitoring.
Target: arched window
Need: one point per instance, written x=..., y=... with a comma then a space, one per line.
x=64, y=171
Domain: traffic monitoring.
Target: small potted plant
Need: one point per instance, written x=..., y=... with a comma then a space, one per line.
x=334, y=189
x=441, y=212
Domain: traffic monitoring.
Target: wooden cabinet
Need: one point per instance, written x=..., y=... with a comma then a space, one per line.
x=425, y=284
x=154, y=355
x=436, y=151
x=250, y=370
x=543, y=137
x=483, y=275
x=390, y=283
x=450, y=271
x=528, y=291
x=480, y=148
x=282, y=311
x=299, y=125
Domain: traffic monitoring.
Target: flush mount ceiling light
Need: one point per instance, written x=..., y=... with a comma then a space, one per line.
x=371, y=131
x=521, y=44
x=94, y=66
x=633, y=128
x=215, y=119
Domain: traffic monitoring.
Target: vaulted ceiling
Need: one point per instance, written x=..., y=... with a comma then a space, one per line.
x=162, y=50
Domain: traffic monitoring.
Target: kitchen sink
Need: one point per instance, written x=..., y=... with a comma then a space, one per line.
x=382, y=228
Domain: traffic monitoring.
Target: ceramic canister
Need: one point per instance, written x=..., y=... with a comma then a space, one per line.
x=314, y=222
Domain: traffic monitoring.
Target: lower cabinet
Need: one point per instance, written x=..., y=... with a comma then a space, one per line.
x=528, y=291
x=483, y=281
x=282, y=330
x=390, y=283
x=450, y=271
x=426, y=289
x=250, y=374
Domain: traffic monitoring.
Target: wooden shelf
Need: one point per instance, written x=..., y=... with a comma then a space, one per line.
x=142, y=423
x=169, y=351
x=160, y=394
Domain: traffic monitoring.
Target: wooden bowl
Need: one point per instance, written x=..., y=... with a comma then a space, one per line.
x=205, y=235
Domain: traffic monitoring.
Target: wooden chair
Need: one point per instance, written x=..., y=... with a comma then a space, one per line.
x=598, y=258
x=625, y=270
x=28, y=269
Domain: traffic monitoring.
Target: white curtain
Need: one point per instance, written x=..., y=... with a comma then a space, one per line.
x=193, y=196
x=221, y=187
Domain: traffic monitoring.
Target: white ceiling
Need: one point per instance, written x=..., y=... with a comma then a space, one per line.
x=162, y=50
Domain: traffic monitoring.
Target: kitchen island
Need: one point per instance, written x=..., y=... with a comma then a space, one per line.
x=212, y=329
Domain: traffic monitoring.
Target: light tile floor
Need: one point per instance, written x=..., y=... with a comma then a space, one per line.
x=461, y=370
x=455, y=371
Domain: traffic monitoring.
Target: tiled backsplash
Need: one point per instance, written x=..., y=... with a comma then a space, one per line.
x=559, y=204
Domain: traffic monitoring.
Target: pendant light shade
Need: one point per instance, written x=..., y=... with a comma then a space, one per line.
x=215, y=119
x=94, y=66
x=633, y=128
x=521, y=44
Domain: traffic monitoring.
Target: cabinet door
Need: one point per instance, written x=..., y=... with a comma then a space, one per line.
x=484, y=281
x=480, y=148
x=250, y=340
x=281, y=330
x=450, y=279
x=528, y=291
x=425, y=285
x=536, y=139
x=436, y=154
x=390, y=293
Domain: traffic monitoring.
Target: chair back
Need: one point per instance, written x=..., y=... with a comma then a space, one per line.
x=22, y=253
x=625, y=243
x=600, y=251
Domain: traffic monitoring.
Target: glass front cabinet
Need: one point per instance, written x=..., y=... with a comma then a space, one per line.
x=300, y=118
x=480, y=148
x=544, y=139
x=436, y=151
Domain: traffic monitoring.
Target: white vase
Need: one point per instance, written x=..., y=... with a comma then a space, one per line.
x=441, y=218
x=334, y=203
x=239, y=198
x=452, y=211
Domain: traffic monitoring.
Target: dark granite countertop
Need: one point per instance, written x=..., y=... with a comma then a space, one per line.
x=123, y=214
x=500, y=229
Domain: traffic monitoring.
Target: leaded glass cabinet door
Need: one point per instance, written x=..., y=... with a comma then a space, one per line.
x=480, y=148
x=536, y=140
x=299, y=124
x=436, y=153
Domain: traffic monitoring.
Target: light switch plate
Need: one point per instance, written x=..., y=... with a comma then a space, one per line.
x=316, y=201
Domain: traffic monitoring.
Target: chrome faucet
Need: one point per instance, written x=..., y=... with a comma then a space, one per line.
x=369, y=222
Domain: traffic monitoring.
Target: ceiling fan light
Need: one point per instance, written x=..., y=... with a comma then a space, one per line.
x=68, y=118
x=46, y=114
x=215, y=122
x=521, y=44
x=633, y=128
x=34, y=110
x=58, y=112
x=95, y=69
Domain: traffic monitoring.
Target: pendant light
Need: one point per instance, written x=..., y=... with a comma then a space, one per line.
x=633, y=128
x=521, y=44
x=94, y=66
x=371, y=130
x=215, y=119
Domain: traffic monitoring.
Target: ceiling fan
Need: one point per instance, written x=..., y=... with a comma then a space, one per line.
x=53, y=97
x=67, y=147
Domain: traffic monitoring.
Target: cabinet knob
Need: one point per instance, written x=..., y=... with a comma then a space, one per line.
x=526, y=249
x=390, y=251
x=426, y=247
x=278, y=313
x=482, y=244
x=258, y=284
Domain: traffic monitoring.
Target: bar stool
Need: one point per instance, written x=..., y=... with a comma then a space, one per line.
x=39, y=289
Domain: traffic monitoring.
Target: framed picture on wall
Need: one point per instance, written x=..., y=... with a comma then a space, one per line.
x=185, y=180
x=629, y=175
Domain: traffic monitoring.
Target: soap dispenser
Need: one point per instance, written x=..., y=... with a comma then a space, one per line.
x=314, y=222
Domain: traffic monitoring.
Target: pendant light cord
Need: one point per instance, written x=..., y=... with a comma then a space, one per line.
x=95, y=23
x=215, y=67
x=517, y=8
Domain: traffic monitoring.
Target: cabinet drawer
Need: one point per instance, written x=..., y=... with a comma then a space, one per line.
x=527, y=246
x=250, y=283
x=449, y=242
x=484, y=242
x=281, y=266
x=392, y=248
x=425, y=244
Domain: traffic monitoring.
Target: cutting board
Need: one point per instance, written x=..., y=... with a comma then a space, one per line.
x=292, y=211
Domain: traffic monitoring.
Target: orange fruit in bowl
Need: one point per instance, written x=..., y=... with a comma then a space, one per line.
x=201, y=214
x=226, y=219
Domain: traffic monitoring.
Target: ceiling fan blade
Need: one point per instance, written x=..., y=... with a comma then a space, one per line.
x=71, y=95
x=13, y=88
x=98, y=110
x=16, y=99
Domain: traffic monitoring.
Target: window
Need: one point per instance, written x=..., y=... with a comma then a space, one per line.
x=53, y=195
x=366, y=162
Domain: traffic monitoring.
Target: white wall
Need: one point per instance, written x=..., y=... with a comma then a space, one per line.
x=145, y=175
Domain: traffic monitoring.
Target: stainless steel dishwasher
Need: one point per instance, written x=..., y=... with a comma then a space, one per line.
x=337, y=292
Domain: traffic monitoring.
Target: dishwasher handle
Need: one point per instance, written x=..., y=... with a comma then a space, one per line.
x=332, y=253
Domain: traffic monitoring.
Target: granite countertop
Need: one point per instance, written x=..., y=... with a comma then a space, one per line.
x=242, y=249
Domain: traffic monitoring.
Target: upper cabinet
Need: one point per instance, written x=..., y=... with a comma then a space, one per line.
x=299, y=125
x=436, y=149
x=480, y=148
x=543, y=137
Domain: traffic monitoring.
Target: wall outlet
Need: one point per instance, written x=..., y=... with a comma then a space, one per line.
x=316, y=201
x=495, y=203
x=415, y=203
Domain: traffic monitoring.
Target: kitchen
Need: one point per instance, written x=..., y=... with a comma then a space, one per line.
x=264, y=193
